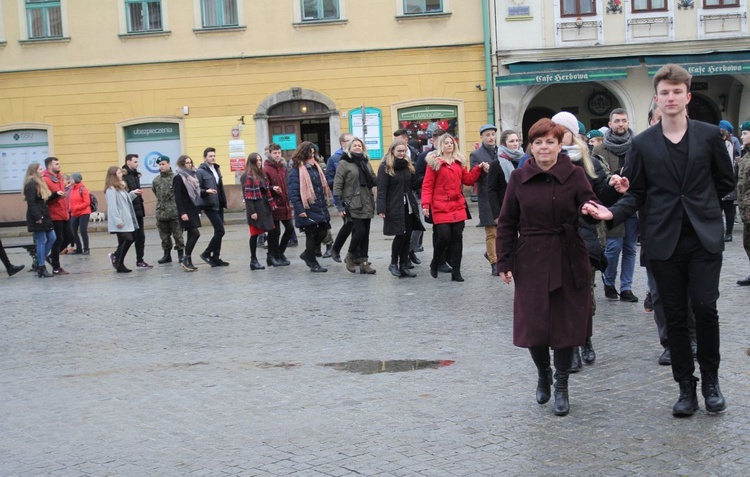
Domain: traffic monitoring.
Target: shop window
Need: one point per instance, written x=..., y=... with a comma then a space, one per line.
x=421, y=121
x=720, y=3
x=320, y=10
x=219, y=13
x=143, y=16
x=643, y=6
x=44, y=19
x=577, y=8
x=18, y=149
x=421, y=7
x=149, y=141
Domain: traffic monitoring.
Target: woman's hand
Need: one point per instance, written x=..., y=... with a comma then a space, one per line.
x=342, y=214
x=254, y=216
x=426, y=212
x=303, y=214
x=382, y=216
x=507, y=277
x=119, y=226
x=184, y=217
x=596, y=211
x=485, y=166
x=621, y=184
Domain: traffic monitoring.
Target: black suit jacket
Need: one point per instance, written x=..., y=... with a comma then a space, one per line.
x=666, y=193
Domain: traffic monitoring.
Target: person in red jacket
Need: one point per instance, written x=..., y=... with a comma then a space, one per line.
x=58, y=210
x=276, y=175
x=443, y=200
x=80, y=211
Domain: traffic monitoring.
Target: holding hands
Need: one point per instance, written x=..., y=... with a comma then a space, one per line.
x=621, y=184
x=596, y=211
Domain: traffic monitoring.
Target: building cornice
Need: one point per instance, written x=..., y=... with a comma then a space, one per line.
x=686, y=47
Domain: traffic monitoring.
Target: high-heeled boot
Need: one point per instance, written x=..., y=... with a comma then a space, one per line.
x=187, y=264
x=587, y=353
x=577, y=363
x=255, y=265
x=540, y=355
x=43, y=273
x=563, y=361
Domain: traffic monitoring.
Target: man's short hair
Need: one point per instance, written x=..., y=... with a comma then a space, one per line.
x=618, y=111
x=400, y=132
x=672, y=73
x=342, y=138
x=438, y=132
x=49, y=161
x=207, y=150
x=130, y=157
x=273, y=147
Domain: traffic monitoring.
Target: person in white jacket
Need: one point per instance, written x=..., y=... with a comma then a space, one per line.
x=121, y=219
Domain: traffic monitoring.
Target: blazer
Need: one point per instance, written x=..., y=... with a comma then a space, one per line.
x=667, y=192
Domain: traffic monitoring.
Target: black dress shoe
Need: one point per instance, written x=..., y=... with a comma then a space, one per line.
x=255, y=265
x=666, y=358
x=611, y=292
x=587, y=352
x=687, y=403
x=745, y=282
x=627, y=295
x=414, y=259
x=648, y=303
x=393, y=268
x=728, y=238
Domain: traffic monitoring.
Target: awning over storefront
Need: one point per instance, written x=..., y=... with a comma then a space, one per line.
x=704, y=65
x=529, y=73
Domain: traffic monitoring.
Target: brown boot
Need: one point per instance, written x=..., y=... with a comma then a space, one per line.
x=366, y=267
x=349, y=262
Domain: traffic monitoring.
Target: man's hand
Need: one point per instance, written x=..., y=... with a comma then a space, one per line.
x=596, y=211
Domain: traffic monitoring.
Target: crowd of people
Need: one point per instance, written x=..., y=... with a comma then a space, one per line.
x=571, y=205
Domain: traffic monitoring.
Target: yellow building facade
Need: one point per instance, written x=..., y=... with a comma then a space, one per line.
x=161, y=77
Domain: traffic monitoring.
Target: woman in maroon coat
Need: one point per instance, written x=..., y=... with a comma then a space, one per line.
x=282, y=214
x=539, y=245
x=443, y=200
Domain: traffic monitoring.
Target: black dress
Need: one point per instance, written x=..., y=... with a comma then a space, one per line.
x=185, y=205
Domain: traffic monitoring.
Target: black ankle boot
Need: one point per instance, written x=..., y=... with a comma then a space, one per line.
x=43, y=273
x=180, y=255
x=406, y=273
x=577, y=364
x=255, y=265
x=456, y=274
x=393, y=268
x=187, y=264
x=434, y=268
x=711, y=392
x=543, y=385
x=687, y=403
x=13, y=269
x=272, y=261
x=587, y=353
x=562, y=403
x=167, y=258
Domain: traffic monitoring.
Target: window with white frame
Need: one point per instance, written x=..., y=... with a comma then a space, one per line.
x=577, y=8
x=318, y=10
x=720, y=3
x=641, y=6
x=44, y=19
x=143, y=15
x=421, y=7
x=219, y=13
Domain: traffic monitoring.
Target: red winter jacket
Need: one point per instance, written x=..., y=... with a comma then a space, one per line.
x=58, y=204
x=442, y=189
x=276, y=175
x=80, y=200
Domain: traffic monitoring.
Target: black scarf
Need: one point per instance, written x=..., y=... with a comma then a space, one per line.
x=359, y=160
x=400, y=164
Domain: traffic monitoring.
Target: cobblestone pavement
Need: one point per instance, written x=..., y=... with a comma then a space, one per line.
x=218, y=372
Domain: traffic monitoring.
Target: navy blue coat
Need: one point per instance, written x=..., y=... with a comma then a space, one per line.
x=317, y=213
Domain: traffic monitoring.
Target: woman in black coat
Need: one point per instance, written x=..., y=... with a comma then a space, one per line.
x=187, y=198
x=397, y=205
x=37, y=194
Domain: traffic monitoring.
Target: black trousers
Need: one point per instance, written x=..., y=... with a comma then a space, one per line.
x=314, y=236
x=274, y=245
x=449, y=242
x=140, y=240
x=61, y=227
x=402, y=243
x=359, y=246
x=691, y=272
x=192, y=238
x=217, y=222
x=730, y=211
x=343, y=234
x=81, y=223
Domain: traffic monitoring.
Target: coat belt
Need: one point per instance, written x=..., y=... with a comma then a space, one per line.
x=568, y=236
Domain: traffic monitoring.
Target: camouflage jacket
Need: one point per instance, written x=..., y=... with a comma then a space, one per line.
x=743, y=188
x=166, y=207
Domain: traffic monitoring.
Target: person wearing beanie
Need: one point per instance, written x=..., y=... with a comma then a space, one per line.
x=80, y=213
x=624, y=238
x=727, y=126
x=743, y=193
x=167, y=222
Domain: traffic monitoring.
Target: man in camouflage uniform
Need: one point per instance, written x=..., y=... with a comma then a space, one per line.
x=166, y=212
x=743, y=193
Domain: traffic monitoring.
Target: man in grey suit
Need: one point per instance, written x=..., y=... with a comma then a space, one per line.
x=678, y=169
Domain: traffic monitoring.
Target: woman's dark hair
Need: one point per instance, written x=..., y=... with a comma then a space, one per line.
x=253, y=165
x=543, y=127
x=506, y=134
x=302, y=153
x=182, y=160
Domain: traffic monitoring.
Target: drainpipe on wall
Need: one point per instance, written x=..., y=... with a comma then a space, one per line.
x=489, y=85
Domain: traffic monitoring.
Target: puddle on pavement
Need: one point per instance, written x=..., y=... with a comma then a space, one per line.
x=373, y=366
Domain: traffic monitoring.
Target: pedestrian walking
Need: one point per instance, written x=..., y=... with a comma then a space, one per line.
x=167, y=222
x=37, y=194
x=121, y=216
x=276, y=174
x=259, y=204
x=187, y=196
x=80, y=212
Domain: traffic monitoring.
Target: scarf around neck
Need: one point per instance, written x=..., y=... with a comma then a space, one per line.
x=359, y=160
x=619, y=145
x=573, y=152
x=306, y=189
x=511, y=154
x=191, y=183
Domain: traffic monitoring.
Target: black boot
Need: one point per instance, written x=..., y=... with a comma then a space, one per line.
x=255, y=265
x=327, y=253
x=577, y=364
x=414, y=259
x=588, y=353
x=562, y=403
x=710, y=389
x=43, y=273
x=13, y=269
x=167, y=258
x=434, y=268
x=272, y=261
x=456, y=274
x=187, y=264
x=281, y=259
x=406, y=273
x=180, y=255
x=393, y=268
x=540, y=355
x=687, y=403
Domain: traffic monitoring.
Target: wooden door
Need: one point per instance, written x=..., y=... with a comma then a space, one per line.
x=292, y=131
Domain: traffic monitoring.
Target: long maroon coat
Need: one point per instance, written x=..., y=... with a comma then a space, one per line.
x=276, y=175
x=538, y=241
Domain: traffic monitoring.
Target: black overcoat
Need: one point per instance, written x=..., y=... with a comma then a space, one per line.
x=390, y=201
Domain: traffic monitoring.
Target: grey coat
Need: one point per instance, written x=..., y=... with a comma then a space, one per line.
x=120, y=210
x=485, y=209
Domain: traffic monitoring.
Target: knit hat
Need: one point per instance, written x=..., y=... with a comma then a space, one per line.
x=77, y=177
x=745, y=126
x=487, y=127
x=594, y=133
x=567, y=120
x=162, y=158
x=603, y=130
x=727, y=126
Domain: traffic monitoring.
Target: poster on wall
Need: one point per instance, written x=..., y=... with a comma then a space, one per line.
x=149, y=141
x=374, y=134
x=18, y=149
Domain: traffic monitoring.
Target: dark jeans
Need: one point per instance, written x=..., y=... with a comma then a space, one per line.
x=274, y=246
x=140, y=240
x=124, y=241
x=402, y=243
x=217, y=222
x=449, y=241
x=359, y=245
x=81, y=223
x=691, y=272
x=343, y=234
x=314, y=236
x=60, y=227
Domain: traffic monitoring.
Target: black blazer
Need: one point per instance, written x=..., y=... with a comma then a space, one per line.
x=666, y=192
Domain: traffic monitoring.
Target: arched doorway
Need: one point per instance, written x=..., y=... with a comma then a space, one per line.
x=302, y=120
x=703, y=109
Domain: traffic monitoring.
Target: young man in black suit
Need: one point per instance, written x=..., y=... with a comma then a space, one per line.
x=679, y=170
